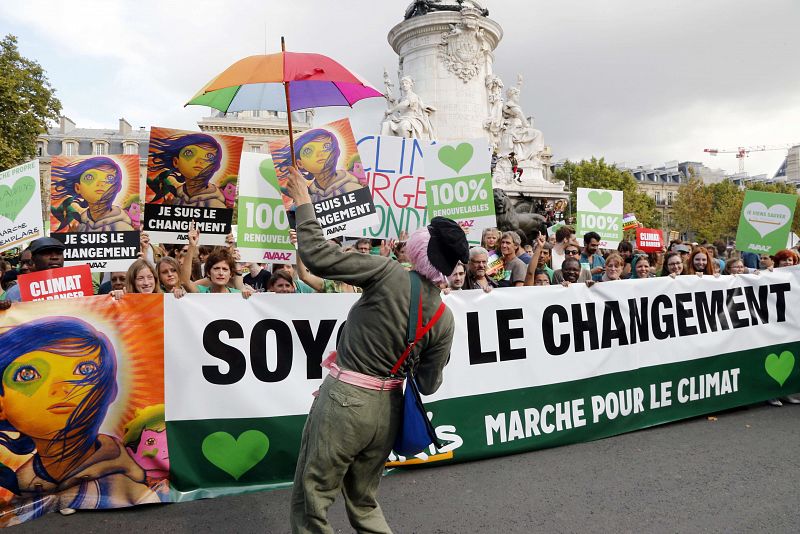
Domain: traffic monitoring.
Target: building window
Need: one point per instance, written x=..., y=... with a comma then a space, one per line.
x=131, y=149
x=100, y=149
x=669, y=197
x=69, y=149
x=657, y=196
x=256, y=113
x=39, y=149
x=255, y=148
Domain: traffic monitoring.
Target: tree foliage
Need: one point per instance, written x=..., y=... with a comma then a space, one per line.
x=712, y=211
x=597, y=174
x=27, y=102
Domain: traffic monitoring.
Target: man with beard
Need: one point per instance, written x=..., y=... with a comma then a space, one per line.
x=476, y=270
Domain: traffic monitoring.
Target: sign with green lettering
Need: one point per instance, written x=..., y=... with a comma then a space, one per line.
x=765, y=222
x=600, y=210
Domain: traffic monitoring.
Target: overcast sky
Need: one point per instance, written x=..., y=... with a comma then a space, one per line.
x=634, y=81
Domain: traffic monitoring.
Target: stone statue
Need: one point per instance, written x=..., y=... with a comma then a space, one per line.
x=520, y=139
x=389, y=94
x=509, y=219
x=464, y=48
x=418, y=8
x=408, y=116
x=494, y=122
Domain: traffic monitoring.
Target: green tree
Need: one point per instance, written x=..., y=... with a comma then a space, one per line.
x=27, y=102
x=597, y=174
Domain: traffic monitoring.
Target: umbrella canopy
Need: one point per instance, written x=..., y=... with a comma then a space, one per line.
x=256, y=82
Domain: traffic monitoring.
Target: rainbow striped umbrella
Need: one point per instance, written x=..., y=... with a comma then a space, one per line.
x=261, y=82
x=286, y=81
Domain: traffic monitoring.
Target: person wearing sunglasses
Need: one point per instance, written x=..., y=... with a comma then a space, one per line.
x=570, y=273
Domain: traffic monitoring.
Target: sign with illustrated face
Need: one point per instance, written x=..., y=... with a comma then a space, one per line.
x=20, y=205
x=600, y=210
x=95, y=210
x=765, y=222
x=191, y=176
x=328, y=158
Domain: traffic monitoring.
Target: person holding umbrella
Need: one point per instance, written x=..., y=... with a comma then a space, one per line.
x=358, y=410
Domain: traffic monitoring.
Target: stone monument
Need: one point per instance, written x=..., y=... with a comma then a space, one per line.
x=449, y=91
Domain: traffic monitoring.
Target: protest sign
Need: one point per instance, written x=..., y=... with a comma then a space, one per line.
x=56, y=284
x=649, y=240
x=191, y=176
x=105, y=439
x=395, y=173
x=674, y=235
x=458, y=182
x=262, y=234
x=765, y=222
x=328, y=158
x=629, y=221
x=20, y=205
x=600, y=210
x=95, y=210
x=529, y=369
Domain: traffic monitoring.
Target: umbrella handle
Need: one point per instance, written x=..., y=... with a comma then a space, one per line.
x=288, y=108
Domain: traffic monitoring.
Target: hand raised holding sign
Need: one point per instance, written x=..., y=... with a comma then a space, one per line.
x=297, y=188
x=193, y=235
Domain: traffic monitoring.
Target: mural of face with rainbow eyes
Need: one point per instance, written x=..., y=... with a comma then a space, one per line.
x=40, y=391
x=314, y=156
x=194, y=159
x=95, y=183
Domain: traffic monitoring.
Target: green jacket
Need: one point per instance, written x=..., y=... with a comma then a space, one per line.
x=375, y=334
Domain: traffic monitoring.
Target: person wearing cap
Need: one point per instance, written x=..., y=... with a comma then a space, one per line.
x=353, y=422
x=46, y=253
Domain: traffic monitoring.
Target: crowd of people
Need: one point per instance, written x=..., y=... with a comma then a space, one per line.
x=503, y=259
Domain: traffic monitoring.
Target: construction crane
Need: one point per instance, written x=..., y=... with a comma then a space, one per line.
x=744, y=151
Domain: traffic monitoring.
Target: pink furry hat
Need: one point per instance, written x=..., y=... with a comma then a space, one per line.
x=436, y=250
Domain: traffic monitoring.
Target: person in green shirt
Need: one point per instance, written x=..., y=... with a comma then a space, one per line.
x=353, y=422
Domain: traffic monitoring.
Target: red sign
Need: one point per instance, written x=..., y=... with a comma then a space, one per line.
x=53, y=284
x=649, y=239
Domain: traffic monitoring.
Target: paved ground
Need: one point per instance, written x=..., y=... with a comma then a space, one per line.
x=736, y=474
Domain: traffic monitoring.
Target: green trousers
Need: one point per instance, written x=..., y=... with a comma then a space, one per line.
x=346, y=441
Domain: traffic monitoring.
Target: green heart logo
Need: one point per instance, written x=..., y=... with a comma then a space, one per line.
x=456, y=157
x=267, y=171
x=236, y=456
x=601, y=199
x=779, y=367
x=14, y=199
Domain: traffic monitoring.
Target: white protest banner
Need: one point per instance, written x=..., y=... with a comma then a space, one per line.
x=600, y=210
x=262, y=234
x=459, y=185
x=20, y=205
x=529, y=368
x=396, y=175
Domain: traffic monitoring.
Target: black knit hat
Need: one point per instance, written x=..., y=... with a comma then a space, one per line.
x=447, y=246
